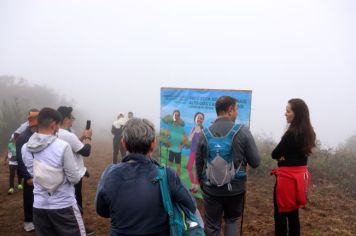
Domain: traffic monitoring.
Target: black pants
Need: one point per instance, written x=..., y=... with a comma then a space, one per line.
x=285, y=220
x=28, y=202
x=117, y=146
x=215, y=207
x=58, y=222
x=13, y=169
x=78, y=195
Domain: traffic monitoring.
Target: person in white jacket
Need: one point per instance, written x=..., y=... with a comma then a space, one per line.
x=55, y=171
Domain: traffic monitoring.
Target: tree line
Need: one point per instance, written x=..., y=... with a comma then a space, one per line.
x=17, y=97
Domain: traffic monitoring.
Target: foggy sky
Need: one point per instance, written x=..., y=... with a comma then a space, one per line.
x=124, y=51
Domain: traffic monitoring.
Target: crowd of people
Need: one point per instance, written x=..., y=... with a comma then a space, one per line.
x=50, y=159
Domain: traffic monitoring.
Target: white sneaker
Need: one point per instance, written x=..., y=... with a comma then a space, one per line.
x=28, y=226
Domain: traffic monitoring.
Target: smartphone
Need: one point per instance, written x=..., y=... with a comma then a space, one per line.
x=87, y=126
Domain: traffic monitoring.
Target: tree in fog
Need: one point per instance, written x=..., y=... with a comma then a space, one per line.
x=17, y=97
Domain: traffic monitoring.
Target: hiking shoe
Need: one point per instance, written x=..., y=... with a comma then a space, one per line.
x=89, y=231
x=11, y=191
x=28, y=226
x=19, y=187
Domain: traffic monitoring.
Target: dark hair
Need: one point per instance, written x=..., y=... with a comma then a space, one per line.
x=33, y=110
x=176, y=111
x=301, y=127
x=198, y=113
x=47, y=116
x=66, y=112
x=223, y=104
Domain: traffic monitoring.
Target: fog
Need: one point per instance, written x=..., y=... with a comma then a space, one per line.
x=113, y=56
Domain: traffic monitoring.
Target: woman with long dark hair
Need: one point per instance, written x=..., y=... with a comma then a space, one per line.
x=292, y=175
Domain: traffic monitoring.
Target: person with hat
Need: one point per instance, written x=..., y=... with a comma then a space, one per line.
x=28, y=184
x=81, y=147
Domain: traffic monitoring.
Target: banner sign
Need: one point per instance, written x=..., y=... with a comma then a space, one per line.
x=184, y=112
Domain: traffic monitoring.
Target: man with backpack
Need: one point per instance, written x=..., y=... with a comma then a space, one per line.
x=223, y=153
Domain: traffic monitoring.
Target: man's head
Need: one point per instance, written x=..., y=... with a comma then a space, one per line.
x=176, y=116
x=226, y=106
x=32, y=119
x=130, y=115
x=48, y=121
x=67, y=117
x=139, y=136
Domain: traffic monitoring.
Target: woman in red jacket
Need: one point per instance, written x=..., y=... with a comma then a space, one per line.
x=292, y=175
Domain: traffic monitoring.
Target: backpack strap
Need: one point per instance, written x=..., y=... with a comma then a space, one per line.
x=231, y=134
x=163, y=184
x=233, y=131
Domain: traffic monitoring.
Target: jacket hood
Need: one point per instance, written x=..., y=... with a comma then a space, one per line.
x=38, y=142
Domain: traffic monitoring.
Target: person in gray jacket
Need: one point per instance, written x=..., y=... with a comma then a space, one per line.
x=226, y=199
x=50, y=161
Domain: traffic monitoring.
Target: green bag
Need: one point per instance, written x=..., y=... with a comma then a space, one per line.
x=182, y=221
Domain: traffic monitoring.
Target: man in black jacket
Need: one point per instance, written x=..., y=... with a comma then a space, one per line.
x=227, y=199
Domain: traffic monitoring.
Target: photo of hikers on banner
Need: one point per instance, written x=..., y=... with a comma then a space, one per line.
x=184, y=115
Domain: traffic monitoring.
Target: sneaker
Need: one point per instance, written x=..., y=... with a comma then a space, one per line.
x=19, y=187
x=89, y=231
x=28, y=226
x=11, y=191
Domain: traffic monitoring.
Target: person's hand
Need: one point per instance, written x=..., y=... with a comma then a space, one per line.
x=29, y=182
x=86, y=136
x=281, y=159
x=87, y=133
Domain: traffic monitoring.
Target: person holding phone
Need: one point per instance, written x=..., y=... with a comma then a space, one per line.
x=81, y=147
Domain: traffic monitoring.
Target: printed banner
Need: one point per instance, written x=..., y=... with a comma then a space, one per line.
x=184, y=112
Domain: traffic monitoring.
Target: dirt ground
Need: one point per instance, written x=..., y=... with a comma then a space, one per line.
x=329, y=212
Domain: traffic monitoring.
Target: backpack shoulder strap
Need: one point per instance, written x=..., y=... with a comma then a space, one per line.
x=208, y=135
x=163, y=184
x=233, y=131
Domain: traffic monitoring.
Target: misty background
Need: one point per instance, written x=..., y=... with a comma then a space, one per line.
x=106, y=57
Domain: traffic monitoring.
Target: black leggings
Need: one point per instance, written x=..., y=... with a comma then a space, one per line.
x=281, y=219
x=13, y=169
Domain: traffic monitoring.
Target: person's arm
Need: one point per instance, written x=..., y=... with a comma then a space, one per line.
x=85, y=151
x=27, y=161
x=191, y=134
x=200, y=156
x=178, y=192
x=112, y=130
x=281, y=148
x=101, y=202
x=251, y=152
x=77, y=146
x=70, y=167
x=22, y=168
